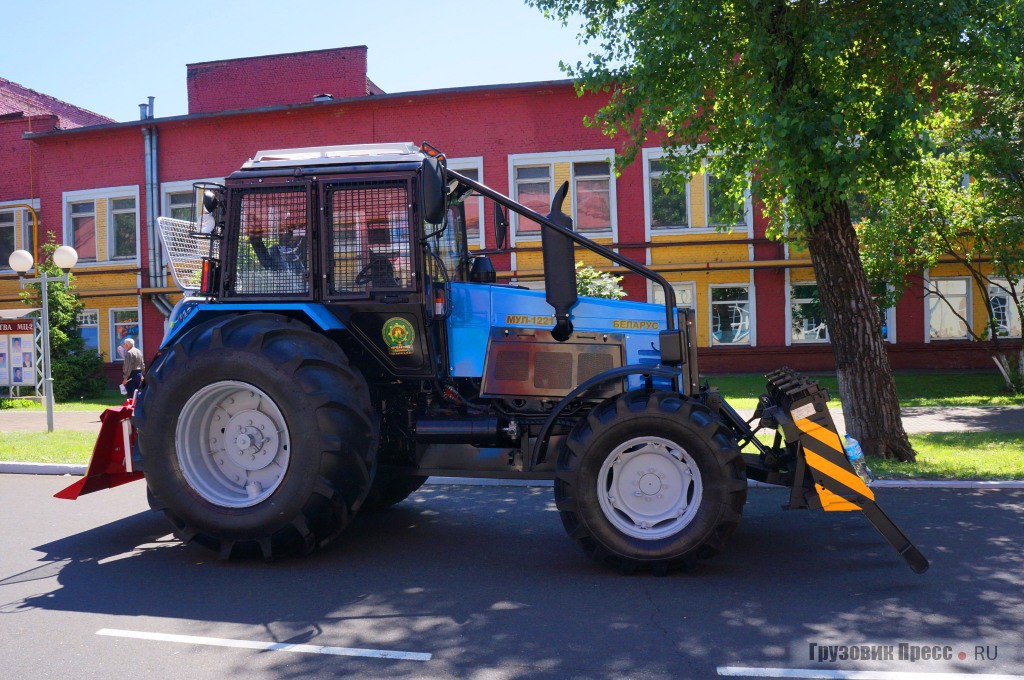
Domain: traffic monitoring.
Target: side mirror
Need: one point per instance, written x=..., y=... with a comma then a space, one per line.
x=500, y=226
x=434, y=194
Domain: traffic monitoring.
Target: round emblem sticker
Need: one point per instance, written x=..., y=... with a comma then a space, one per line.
x=398, y=335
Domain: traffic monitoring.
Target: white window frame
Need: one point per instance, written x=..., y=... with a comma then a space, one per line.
x=95, y=313
x=573, y=157
x=678, y=287
x=751, y=314
x=890, y=317
x=13, y=214
x=473, y=163
x=929, y=296
x=656, y=154
x=112, y=335
x=790, y=340
x=748, y=221
x=994, y=282
x=112, y=227
x=104, y=194
x=890, y=324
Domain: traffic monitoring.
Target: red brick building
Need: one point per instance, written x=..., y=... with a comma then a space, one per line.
x=99, y=185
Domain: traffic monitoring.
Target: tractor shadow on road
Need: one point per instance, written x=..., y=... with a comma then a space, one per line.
x=484, y=577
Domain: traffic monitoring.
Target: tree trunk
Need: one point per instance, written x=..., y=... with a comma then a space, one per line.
x=870, y=406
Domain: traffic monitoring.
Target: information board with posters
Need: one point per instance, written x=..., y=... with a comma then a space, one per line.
x=17, y=353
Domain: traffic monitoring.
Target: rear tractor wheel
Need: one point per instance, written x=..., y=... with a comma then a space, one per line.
x=257, y=436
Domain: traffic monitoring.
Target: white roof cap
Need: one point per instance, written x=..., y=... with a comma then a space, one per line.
x=329, y=155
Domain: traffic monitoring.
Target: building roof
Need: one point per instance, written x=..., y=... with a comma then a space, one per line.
x=15, y=98
x=393, y=96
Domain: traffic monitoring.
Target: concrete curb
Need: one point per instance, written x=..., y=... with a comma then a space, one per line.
x=8, y=468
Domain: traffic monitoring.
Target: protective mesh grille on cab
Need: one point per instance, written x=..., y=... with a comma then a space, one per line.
x=273, y=248
x=369, y=227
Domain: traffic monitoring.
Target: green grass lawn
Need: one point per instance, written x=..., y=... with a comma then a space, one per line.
x=958, y=455
x=914, y=389
x=104, y=401
x=59, y=446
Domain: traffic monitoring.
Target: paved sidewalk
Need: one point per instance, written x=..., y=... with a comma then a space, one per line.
x=916, y=420
x=919, y=420
x=25, y=420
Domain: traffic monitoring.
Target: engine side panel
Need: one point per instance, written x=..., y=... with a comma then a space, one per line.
x=477, y=308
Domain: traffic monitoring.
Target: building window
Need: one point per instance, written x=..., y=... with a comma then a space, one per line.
x=6, y=238
x=685, y=294
x=89, y=328
x=28, y=237
x=730, y=315
x=669, y=209
x=474, y=203
x=807, y=317
x=720, y=206
x=83, y=229
x=124, y=324
x=948, y=308
x=591, y=204
x=1005, y=312
x=533, y=189
x=123, y=228
x=180, y=206
x=592, y=191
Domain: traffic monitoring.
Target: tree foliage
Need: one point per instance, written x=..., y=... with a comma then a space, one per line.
x=934, y=215
x=76, y=369
x=596, y=283
x=810, y=101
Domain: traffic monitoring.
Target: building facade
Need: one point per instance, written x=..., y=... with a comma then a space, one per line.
x=99, y=185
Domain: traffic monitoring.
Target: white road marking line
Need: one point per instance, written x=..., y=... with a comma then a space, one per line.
x=266, y=646
x=822, y=674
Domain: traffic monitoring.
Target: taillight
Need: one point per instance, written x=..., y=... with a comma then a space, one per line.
x=208, y=283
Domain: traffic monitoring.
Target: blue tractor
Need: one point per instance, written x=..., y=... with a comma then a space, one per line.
x=341, y=344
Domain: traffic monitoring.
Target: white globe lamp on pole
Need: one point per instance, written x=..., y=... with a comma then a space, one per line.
x=21, y=261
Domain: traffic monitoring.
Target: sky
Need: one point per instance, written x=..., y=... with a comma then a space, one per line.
x=109, y=56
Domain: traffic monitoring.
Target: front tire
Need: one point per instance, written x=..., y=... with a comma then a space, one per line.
x=257, y=436
x=650, y=480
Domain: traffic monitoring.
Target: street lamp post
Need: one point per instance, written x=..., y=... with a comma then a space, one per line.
x=21, y=261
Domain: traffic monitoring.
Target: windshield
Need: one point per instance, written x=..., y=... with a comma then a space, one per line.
x=449, y=243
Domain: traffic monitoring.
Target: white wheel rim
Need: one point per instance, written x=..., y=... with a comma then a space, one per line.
x=649, y=488
x=232, y=444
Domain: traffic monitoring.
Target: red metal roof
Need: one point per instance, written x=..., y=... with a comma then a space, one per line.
x=15, y=98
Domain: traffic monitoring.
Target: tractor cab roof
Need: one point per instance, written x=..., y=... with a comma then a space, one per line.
x=321, y=159
x=335, y=155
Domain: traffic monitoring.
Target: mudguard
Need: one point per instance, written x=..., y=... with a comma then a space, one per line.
x=111, y=462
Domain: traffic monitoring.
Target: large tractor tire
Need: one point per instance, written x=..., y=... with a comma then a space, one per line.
x=257, y=436
x=650, y=480
x=391, y=488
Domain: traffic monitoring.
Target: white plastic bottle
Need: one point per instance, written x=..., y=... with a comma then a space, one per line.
x=855, y=455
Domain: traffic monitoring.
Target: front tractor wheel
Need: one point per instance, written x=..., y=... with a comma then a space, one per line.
x=650, y=480
x=257, y=436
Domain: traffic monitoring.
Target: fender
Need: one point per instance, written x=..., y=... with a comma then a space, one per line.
x=614, y=374
x=316, y=314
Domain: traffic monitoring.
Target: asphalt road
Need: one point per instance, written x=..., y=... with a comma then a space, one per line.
x=485, y=582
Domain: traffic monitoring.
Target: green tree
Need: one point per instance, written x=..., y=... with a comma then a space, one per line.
x=933, y=215
x=808, y=100
x=76, y=369
x=596, y=283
